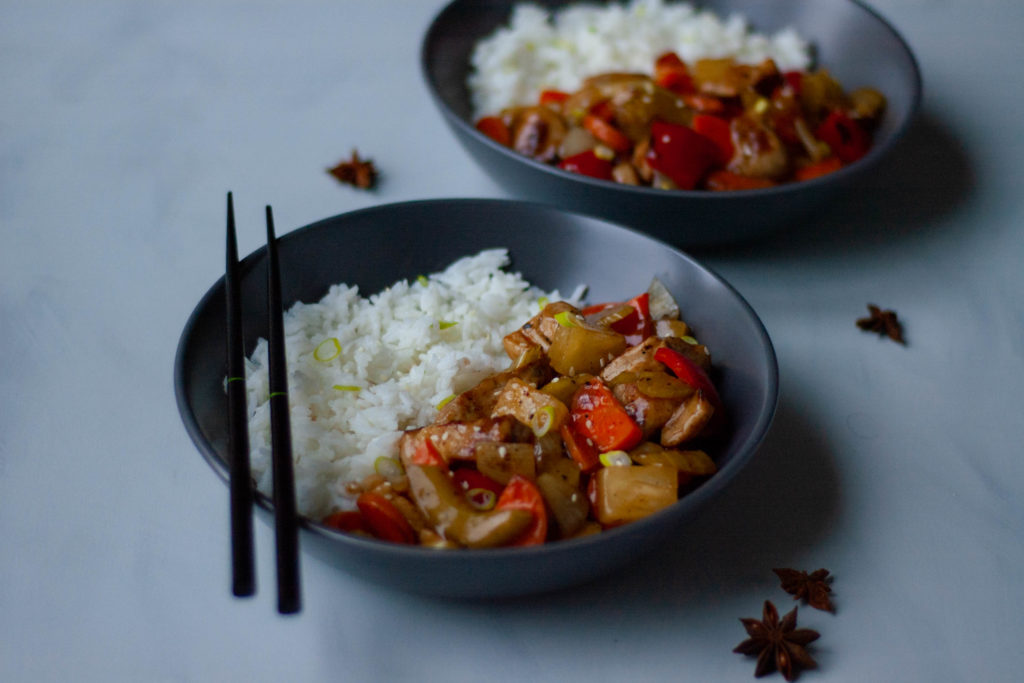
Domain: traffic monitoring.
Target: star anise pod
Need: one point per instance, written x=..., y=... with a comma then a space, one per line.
x=777, y=644
x=359, y=172
x=811, y=587
x=884, y=323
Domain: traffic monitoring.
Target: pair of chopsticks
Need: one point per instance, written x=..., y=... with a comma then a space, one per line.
x=285, y=516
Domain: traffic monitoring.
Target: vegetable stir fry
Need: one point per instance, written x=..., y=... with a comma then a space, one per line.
x=599, y=421
x=713, y=125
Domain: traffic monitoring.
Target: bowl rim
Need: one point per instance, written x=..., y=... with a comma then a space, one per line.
x=743, y=452
x=874, y=155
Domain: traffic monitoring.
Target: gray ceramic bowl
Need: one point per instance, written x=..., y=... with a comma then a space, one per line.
x=851, y=40
x=378, y=246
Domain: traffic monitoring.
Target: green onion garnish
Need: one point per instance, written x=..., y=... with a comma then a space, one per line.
x=542, y=302
x=445, y=324
x=542, y=420
x=422, y=279
x=327, y=350
x=388, y=467
x=615, y=459
x=565, y=319
x=689, y=340
x=445, y=401
x=346, y=387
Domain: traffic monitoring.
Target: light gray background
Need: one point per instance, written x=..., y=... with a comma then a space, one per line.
x=900, y=469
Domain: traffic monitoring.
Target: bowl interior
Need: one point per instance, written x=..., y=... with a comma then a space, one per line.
x=561, y=251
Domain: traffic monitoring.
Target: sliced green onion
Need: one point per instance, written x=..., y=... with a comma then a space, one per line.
x=542, y=302
x=445, y=324
x=388, y=467
x=422, y=279
x=615, y=459
x=604, y=152
x=542, y=420
x=445, y=401
x=689, y=340
x=565, y=319
x=327, y=350
x=481, y=499
x=346, y=387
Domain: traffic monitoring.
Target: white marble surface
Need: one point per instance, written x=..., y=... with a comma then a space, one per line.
x=900, y=469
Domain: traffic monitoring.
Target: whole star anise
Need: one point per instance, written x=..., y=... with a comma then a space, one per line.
x=811, y=587
x=777, y=644
x=359, y=172
x=884, y=323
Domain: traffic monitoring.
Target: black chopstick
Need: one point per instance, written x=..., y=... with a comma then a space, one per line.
x=285, y=517
x=243, y=571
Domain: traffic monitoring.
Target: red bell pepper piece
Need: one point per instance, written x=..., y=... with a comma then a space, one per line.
x=689, y=372
x=598, y=416
x=580, y=450
x=522, y=494
x=847, y=139
x=384, y=519
x=706, y=104
x=553, y=97
x=603, y=110
x=681, y=153
x=345, y=520
x=589, y=164
x=795, y=80
x=494, y=128
x=718, y=131
x=823, y=167
x=636, y=326
x=607, y=133
x=426, y=453
x=670, y=72
x=466, y=479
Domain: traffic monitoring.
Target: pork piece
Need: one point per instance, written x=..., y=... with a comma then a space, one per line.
x=531, y=407
x=537, y=330
x=640, y=358
x=726, y=78
x=479, y=401
x=688, y=421
x=758, y=151
x=458, y=440
x=537, y=131
x=650, y=412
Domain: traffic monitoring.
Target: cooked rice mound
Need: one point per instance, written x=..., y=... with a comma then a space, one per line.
x=538, y=51
x=360, y=370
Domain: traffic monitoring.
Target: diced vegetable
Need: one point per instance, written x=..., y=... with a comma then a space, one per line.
x=581, y=449
x=626, y=494
x=847, y=139
x=680, y=153
x=717, y=130
x=587, y=163
x=502, y=461
x=597, y=416
x=583, y=348
x=522, y=494
x=346, y=520
x=688, y=371
x=565, y=500
x=607, y=133
x=494, y=128
x=383, y=518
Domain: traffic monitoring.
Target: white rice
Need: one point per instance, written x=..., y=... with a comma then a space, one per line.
x=391, y=346
x=538, y=51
